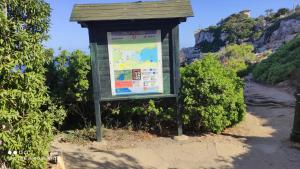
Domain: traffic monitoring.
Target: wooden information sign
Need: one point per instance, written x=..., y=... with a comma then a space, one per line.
x=134, y=50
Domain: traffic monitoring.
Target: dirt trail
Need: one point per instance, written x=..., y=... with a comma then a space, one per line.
x=261, y=141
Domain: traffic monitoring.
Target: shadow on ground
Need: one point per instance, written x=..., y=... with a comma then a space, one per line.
x=79, y=161
x=270, y=152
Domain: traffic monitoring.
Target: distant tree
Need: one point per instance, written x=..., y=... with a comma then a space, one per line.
x=239, y=27
x=269, y=12
x=281, y=12
x=246, y=12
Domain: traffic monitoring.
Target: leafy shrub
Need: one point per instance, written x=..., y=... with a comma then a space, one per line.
x=238, y=58
x=69, y=79
x=148, y=115
x=27, y=114
x=212, y=95
x=278, y=66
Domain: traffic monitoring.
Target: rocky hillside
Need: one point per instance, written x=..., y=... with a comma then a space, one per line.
x=265, y=32
x=282, y=65
x=188, y=55
x=280, y=32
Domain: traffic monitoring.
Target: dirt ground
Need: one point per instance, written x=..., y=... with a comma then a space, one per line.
x=261, y=141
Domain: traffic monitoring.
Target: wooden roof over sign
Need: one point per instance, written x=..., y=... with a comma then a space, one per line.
x=163, y=9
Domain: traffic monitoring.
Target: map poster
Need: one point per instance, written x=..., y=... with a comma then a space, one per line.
x=135, y=59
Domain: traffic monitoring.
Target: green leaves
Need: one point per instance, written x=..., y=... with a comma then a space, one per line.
x=235, y=29
x=25, y=105
x=212, y=95
x=68, y=76
x=279, y=65
x=238, y=57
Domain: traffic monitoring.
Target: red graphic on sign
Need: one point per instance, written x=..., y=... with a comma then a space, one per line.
x=124, y=84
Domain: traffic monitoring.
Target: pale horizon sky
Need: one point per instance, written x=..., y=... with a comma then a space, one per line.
x=70, y=36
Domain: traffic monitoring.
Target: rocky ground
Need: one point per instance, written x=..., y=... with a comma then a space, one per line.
x=261, y=141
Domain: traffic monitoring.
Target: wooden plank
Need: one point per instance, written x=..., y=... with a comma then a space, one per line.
x=143, y=10
x=125, y=16
x=184, y=7
x=152, y=10
x=96, y=90
x=137, y=97
x=176, y=79
x=166, y=61
x=103, y=63
x=144, y=5
x=132, y=25
x=175, y=56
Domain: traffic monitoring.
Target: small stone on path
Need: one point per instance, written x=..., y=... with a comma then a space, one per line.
x=181, y=138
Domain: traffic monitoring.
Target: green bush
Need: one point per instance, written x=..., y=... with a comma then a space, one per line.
x=27, y=114
x=212, y=95
x=148, y=115
x=279, y=65
x=238, y=57
x=69, y=79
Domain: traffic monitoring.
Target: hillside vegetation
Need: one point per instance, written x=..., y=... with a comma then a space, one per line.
x=240, y=28
x=278, y=66
x=276, y=24
x=234, y=29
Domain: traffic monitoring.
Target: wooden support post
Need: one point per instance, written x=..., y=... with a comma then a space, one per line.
x=295, y=136
x=96, y=89
x=176, y=77
x=179, y=117
x=98, y=121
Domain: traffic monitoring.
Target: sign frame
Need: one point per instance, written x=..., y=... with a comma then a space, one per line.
x=100, y=63
x=143, y=84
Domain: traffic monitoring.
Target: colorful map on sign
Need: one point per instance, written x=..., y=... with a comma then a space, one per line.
x=135, y=62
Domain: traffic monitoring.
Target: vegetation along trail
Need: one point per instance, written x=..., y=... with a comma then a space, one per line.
x=260, y=141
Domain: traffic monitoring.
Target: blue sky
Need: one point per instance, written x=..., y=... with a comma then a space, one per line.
x=69, y=35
